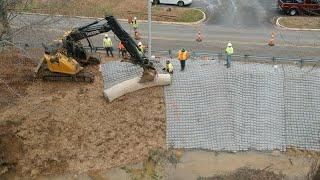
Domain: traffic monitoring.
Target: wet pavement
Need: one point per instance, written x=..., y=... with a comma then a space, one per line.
x=238, y=13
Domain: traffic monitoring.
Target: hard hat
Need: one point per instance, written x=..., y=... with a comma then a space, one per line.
x=135, y=18
x=140, y=44
x=106, y=35
x=229, y=44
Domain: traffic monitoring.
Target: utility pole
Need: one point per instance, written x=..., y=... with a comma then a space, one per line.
x=149, y=28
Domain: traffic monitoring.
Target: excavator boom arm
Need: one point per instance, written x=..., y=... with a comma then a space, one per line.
x=113, y=25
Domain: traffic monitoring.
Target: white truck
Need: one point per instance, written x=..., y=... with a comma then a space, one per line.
x=175, y=2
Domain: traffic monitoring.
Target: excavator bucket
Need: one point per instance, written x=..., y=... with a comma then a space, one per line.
x=148, y=75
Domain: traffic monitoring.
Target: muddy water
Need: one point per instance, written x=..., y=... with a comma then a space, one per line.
x=206, y=164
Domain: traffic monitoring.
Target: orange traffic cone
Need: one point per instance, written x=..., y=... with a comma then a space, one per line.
x=137, y=35
x=271, y=41
x=199, y=36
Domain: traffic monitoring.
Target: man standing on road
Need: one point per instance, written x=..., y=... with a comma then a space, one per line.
x=229, y=51
x=135, y=24
x=107, y=44
x=183, y=56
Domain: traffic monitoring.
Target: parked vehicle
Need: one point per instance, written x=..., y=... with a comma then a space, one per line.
x=295, y=7
x=175, y=2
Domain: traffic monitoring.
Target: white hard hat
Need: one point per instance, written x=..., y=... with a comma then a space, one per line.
x=106, y=35
x=135, y=18
x=229, y=44
x=140, y=44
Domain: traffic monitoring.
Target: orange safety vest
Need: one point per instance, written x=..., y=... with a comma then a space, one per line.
x=121, y=46
x=183, y=55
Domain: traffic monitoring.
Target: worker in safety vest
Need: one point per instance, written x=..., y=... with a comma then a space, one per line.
x=122, y=50
x=183, y=56
x=107, y=44
x=141, y=47
x=135, y=24
x=169, y=67
x=229, y=51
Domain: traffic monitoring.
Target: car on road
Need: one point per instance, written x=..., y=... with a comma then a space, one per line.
x=174, y=2
x=295, y=7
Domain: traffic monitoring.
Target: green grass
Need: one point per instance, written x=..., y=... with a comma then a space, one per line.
x=191, y=15
x=99, y=8
x=317, y=174
x=301, y=22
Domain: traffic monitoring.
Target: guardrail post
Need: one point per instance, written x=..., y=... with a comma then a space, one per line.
x=301, y=63
x=193, y=54
x=246, y=56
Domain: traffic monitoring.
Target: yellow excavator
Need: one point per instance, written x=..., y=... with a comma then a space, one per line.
x=64, y=59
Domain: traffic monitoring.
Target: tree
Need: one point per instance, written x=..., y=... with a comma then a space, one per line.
x=7, y=8
x=4, y=22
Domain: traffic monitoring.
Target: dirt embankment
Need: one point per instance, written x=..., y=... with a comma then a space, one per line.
x=69, y=127
x=15, y=77
x=16, y=74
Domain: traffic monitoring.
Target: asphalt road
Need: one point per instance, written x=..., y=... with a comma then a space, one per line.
x=246, y=40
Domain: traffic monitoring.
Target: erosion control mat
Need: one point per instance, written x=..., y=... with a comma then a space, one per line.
x=246, y=107
x=69, y=127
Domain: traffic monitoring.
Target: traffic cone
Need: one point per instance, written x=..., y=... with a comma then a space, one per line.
x=271, y=41
x=199, y=36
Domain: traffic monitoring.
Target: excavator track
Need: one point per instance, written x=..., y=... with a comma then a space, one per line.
x=80, y=77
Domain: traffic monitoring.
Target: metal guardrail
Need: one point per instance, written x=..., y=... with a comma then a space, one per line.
x=210, y=55
x=239, y=57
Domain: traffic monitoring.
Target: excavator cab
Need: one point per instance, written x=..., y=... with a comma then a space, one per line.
x=58, y=66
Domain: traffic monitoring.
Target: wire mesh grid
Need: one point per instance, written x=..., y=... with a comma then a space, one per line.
x=246, y=107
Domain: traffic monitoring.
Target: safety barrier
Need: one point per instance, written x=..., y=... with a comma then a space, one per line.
x=196, y=55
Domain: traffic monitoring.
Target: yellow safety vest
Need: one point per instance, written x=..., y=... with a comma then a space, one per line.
x=183, y=55
x=169, y=67
x=229, y=50
x=107, y=42
x=134, y=24
x=141, y=48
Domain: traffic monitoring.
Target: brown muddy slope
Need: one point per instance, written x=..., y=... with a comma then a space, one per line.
x=69, y=127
